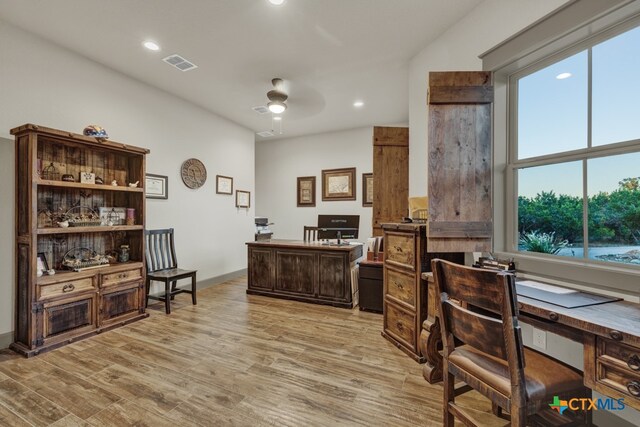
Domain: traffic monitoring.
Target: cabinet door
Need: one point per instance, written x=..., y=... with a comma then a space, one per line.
x=333, y=281
x=459, y=163
x=261, y=268
x=121, y=304
x=68, y=315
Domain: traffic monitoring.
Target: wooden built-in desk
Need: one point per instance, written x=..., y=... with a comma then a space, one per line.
x=304, y=271
x=610, y=334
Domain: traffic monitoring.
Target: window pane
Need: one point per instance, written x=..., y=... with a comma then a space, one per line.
x=614, y=208
x=550, y=209
x=616, y=89
x=552, y=111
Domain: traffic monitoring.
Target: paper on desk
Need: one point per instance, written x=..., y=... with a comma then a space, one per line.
x=545, y=287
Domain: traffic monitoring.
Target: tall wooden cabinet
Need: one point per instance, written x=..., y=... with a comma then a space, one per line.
x=405, y=306
x=53, y=310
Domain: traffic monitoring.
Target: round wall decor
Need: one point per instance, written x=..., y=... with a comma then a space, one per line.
x=193, y=172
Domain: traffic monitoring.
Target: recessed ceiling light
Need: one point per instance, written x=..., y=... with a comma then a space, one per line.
x=563, y=76
x=358, y=104
x=277, y=117
x=276, y=2
x=151, y=45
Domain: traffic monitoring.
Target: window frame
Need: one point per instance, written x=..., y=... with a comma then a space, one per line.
x=583, y=272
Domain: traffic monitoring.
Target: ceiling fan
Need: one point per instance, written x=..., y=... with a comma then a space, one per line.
x=277, y=97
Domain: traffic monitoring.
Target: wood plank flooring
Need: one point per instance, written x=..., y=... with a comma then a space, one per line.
x=233, y=360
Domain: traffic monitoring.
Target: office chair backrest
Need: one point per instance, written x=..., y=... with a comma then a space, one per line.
x=160, y=252
x=310, y=233
x=465, y=294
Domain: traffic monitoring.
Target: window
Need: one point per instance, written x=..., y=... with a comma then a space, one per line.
x=575, y=154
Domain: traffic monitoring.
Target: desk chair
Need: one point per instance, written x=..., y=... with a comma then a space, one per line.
x=162, y=266
x=484, y=349
x=310, y=234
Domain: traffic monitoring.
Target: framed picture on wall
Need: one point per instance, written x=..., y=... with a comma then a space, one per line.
x=243, y=199
x=367, y=189
x=339, y=184
x=224, y=184
x=156, y=186
x=306, y=190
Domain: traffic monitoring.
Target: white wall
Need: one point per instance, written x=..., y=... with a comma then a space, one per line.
x=280, y=162
x=44, y=84
x=490, y=23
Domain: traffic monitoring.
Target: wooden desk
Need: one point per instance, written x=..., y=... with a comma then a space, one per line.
x=609, y=332
x=302, y=271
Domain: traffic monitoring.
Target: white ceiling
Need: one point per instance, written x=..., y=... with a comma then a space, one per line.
x=329, y=52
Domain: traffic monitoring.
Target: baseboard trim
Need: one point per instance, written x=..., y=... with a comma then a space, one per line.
x=206, y=283
x=6, y=339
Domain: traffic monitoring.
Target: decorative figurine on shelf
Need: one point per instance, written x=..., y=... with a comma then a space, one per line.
x=51, y=272
x=99, y=180
x=133, y=184
x=124, y=253
x=64, y=224
x=68, y=177
x=97, y=132
x=131, y=216
x=114, y=183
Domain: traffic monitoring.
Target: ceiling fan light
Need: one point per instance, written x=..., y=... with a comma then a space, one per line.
x=277, y=107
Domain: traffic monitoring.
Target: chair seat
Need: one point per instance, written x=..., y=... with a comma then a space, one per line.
x=544, y=376
x=170, y=273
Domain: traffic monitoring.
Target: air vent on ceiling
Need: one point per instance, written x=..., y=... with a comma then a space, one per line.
x=265, y=134
x=261, y=109
x=179, y=62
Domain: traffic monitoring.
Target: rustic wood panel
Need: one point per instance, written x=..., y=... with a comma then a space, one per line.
x=391, y=172
x=400, y=249
x=332, y=275
x=401, y=286
x=295, y=272
x=459, y=162
x=261, y=270
x=66, y=316
x=119, y=303
x=400, y=323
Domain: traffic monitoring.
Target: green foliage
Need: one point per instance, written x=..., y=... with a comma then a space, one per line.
x=613, y=218
x=546, y=243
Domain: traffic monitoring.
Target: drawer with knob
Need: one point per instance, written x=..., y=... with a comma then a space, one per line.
x=621, y=355
x=401, y=286
x=65, y=288
x=119, y=277
x=400, y=250
x=400, y=324
x=618, y=379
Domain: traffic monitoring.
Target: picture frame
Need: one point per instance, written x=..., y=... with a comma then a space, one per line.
x=339, y=184
x=87, y=178
x=306, y=191
x=116, y=216
x=367, y=189
x=243, y=199
x=156, y=186
x=224, y=184
x=41, y=263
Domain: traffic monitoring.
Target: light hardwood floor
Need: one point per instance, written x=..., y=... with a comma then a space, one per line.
x=233, y=359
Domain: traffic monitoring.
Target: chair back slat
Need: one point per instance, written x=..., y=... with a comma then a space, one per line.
x=479, y=331
x=463, y=289
x=159, y=250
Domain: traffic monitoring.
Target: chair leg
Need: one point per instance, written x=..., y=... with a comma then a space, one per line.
x=449, y=396
x=167, y=297
x=173, y=288
x=496, y=410
x=146, y=300
x=518, y=416
x=193, y=289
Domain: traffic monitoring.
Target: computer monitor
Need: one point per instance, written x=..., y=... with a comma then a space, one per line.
x=330, y=225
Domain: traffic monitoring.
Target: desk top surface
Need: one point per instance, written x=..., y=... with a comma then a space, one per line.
x=299, y=244
x=601, y=319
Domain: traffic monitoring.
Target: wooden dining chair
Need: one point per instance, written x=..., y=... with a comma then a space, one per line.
x=162, y=266
x=483, y=347
x=310, y=234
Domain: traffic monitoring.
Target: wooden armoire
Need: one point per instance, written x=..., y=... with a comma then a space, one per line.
x=55, y=309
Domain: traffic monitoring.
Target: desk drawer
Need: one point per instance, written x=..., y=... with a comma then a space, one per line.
x=370, y=272
x=401, y=287
x=619, y=380
x=121, y=277
x=400, y=324
x=620, y=354
x=400, y=249
x=66, y=288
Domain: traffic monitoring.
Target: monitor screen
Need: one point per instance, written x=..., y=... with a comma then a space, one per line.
x=329, y=225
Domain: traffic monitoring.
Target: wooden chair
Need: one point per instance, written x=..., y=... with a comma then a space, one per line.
x=310, y=234
x=162, y=266
x=483, y=347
